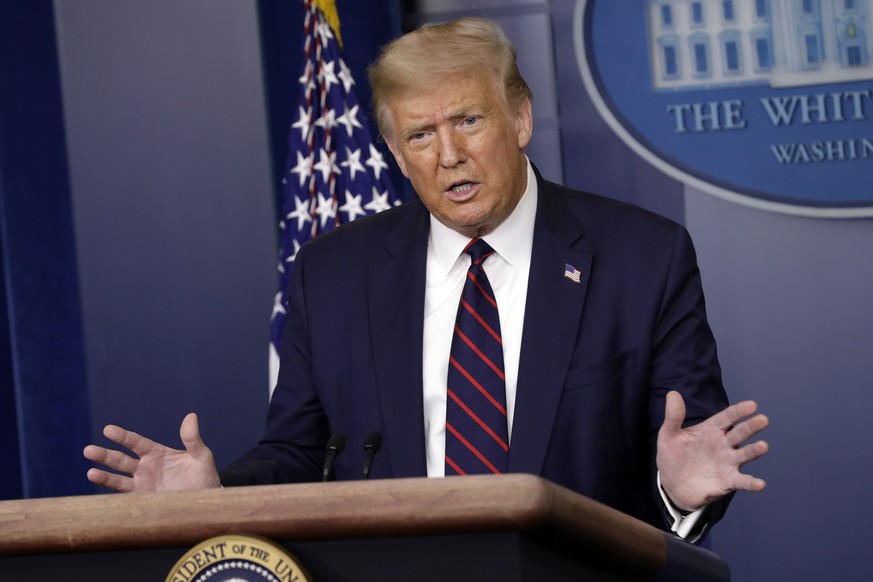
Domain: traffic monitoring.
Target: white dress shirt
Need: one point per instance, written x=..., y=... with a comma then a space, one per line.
x=507, y=270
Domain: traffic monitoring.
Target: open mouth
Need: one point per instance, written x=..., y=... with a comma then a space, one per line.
x=462, y=191
x=462, y=187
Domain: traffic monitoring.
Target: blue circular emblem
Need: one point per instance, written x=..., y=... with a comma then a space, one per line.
x=765, y=102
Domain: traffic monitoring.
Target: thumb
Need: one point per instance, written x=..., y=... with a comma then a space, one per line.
x=674, y=413
x=190, y=434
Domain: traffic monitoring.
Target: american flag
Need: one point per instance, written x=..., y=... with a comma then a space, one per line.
x=572, y=273
x=334, y=173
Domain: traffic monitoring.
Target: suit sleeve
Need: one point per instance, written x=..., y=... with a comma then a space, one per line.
x=685, y=357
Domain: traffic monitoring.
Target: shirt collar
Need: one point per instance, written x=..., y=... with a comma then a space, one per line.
x=512, y=239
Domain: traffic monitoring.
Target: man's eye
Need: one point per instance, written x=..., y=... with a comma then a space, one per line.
x=470, y=120
x=417, y=136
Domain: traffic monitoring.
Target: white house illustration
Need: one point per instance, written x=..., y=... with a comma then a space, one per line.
x=698, y=44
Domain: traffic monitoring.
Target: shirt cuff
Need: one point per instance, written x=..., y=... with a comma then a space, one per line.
x=683, y=524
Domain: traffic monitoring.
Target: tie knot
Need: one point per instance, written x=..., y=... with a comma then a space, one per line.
x=478, y=250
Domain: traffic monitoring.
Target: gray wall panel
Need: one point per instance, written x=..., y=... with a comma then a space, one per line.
x=789, y=301
x=173, y=211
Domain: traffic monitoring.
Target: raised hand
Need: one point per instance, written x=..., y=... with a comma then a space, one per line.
x=701, y=463
x=155, y=466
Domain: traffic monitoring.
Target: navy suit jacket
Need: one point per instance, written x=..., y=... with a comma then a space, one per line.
x=597, y=357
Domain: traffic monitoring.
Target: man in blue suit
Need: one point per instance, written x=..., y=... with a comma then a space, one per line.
x=612, y=384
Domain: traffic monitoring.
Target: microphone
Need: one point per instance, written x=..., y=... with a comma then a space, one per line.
x=335, y=446
x=372, y=444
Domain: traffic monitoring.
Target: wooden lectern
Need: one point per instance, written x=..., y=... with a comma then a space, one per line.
x=501, y=527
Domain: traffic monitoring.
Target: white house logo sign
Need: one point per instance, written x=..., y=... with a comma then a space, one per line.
x=765, y=102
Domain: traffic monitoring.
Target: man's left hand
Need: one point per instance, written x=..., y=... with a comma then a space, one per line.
x=701, y=463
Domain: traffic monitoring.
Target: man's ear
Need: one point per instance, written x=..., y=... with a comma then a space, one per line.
x=398, y=157
x=524, y=123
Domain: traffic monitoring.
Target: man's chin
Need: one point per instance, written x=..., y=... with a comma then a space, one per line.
x=470, y=228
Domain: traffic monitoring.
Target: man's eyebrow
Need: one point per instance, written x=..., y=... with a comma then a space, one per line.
x=465, y=110
x=472, y=110
x=461, y=112
x=414, y=128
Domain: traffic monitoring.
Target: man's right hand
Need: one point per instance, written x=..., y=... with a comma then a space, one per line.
x=155, y=467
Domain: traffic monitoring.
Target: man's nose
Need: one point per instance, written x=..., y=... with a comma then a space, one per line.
x=452, y=149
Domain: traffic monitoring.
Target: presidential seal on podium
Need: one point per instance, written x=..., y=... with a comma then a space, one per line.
x=234, y=558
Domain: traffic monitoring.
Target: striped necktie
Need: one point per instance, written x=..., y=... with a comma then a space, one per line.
x=476, y=430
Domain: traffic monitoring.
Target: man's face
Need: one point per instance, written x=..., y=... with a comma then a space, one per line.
x=462, y=147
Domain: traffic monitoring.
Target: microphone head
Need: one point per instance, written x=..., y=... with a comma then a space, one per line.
x=373, y=442
x=336, y=443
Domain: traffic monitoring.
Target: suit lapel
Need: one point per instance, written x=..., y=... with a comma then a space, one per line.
x=553, y=314
x=396, y=309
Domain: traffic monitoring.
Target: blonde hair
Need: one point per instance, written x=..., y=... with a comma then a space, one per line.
x=435, y=51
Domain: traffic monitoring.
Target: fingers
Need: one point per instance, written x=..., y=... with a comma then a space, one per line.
x=731, y=415
x=674, y=413
x=190, y=435
x=115, y=460
x=749, y=483
x=120, y=483
x=745, y=430
x=129, y=439
x=751, y=452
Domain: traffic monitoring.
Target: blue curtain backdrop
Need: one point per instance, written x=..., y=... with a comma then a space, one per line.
x=10, y=465
x=43, y=398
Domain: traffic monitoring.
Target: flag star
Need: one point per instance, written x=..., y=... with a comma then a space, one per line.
x=327, y=76
x=290, y=258
x=306, y=77
x=379, y=202
x=349, y=119
x=353, y=162
x=309, y=89
x=328, y=120
x=345, y=76
x=301, y=213
x=376, y=161
x=322, y=29
x=278, y=308
x=326, y=164
x=326, y=208
x=352, y=207
x=303, y=168
x=303, y=123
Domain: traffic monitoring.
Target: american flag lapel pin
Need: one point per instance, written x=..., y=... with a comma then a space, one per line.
x=572, y=273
